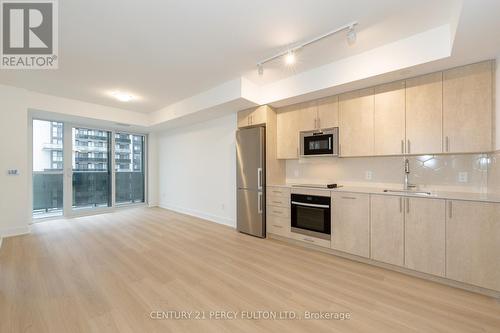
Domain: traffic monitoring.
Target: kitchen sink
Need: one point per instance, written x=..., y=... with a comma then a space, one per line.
x=408, y=192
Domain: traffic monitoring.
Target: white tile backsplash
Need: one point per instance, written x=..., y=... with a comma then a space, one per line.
x=455, y=173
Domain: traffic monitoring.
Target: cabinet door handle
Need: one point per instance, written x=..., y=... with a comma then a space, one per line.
x=319, y=123
x=408, y=205
x=308, y=240
x=408, y=147
x=400, y=204
x=447, y=144
x=277, y=192
x=277, y=202
x=277, y=212
x=349, y=198
x=450, y=209
x=277, y=226
x=402, y=146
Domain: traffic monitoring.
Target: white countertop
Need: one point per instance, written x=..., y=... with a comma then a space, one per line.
x=466, y=196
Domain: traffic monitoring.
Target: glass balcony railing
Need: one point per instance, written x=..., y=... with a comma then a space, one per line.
x=129, y=187
x=47, y=193
x=91, y=189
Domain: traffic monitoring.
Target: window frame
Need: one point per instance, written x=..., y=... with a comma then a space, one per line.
x=68, y=212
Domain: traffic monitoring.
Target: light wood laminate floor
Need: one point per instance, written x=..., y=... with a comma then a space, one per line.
x=107, y=273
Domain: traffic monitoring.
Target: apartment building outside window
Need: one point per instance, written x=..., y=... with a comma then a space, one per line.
x=91, y=168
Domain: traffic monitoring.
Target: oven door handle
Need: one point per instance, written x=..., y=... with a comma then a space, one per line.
x=310, y=205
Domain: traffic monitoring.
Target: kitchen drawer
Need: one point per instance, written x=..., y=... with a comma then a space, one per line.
x=278, y=192
x=279, y=211
x=278, y=201
x=278, y=226
x=310, y=240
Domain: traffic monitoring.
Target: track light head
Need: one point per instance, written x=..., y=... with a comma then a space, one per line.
x=351, y=35
x=290, y=58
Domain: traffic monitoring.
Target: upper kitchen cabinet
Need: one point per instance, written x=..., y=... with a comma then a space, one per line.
x=389, y=118
x=473, y=243
x=424, y=114
x=307, y=116
x=328, y=113
x=467, y=108
x=356, y=111
x=288, y=132
x=253, y=116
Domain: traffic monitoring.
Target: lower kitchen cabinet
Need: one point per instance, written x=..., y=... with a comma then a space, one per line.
x=425, y=235
x=278, y=225
x=473, y=243
x=387, y=229
x=351, y=223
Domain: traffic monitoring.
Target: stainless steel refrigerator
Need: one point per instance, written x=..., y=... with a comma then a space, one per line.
x=251, y=181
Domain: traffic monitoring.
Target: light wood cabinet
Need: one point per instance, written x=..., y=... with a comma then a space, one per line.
x=307, y=116
x=253, y=116
x=389, y=119
x=473, y=243
x=467, y=108
x=288, y=132
x=424, y=114
x=387, y=229
x=351, y=223
x=278, y=225
x=425, y=235
x=328, y=112
x=356, y=123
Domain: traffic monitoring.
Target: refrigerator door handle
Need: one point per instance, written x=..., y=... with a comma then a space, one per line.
x=259, y=202
x=259, y=178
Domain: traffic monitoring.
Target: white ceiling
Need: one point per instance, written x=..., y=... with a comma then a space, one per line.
x=165, y=51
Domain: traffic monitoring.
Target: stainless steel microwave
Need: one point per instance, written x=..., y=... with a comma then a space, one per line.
x=320, y=143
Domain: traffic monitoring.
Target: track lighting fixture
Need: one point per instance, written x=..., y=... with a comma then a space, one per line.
x=351, y=35
x=289, y=54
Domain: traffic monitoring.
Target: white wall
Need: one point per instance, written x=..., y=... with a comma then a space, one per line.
x=197, y=170
x=14, y=198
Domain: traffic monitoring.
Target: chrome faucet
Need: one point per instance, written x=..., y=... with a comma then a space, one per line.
x=408, y=185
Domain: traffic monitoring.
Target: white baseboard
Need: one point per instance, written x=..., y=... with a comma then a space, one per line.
x=10, y=232
x=202, y=215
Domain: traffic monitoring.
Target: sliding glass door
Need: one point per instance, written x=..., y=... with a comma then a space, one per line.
x=77, y=168
x=129, y=168
x=47, y=168
x=91, y=177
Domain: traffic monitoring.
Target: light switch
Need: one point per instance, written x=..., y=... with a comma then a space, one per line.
x=463, y=177
x=13, y=172
x=368, y=175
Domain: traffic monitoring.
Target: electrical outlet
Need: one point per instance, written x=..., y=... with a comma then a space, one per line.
x=463, y=177
x=368, y=175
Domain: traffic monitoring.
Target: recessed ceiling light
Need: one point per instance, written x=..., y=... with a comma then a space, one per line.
x=122, y=96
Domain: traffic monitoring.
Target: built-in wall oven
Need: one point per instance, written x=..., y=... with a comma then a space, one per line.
x=310, y=215
x=320, y=143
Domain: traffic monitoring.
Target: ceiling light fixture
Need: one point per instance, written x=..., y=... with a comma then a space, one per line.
x=290, y=58
x=122, y=96
x=289, y=54
x=351, y=35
